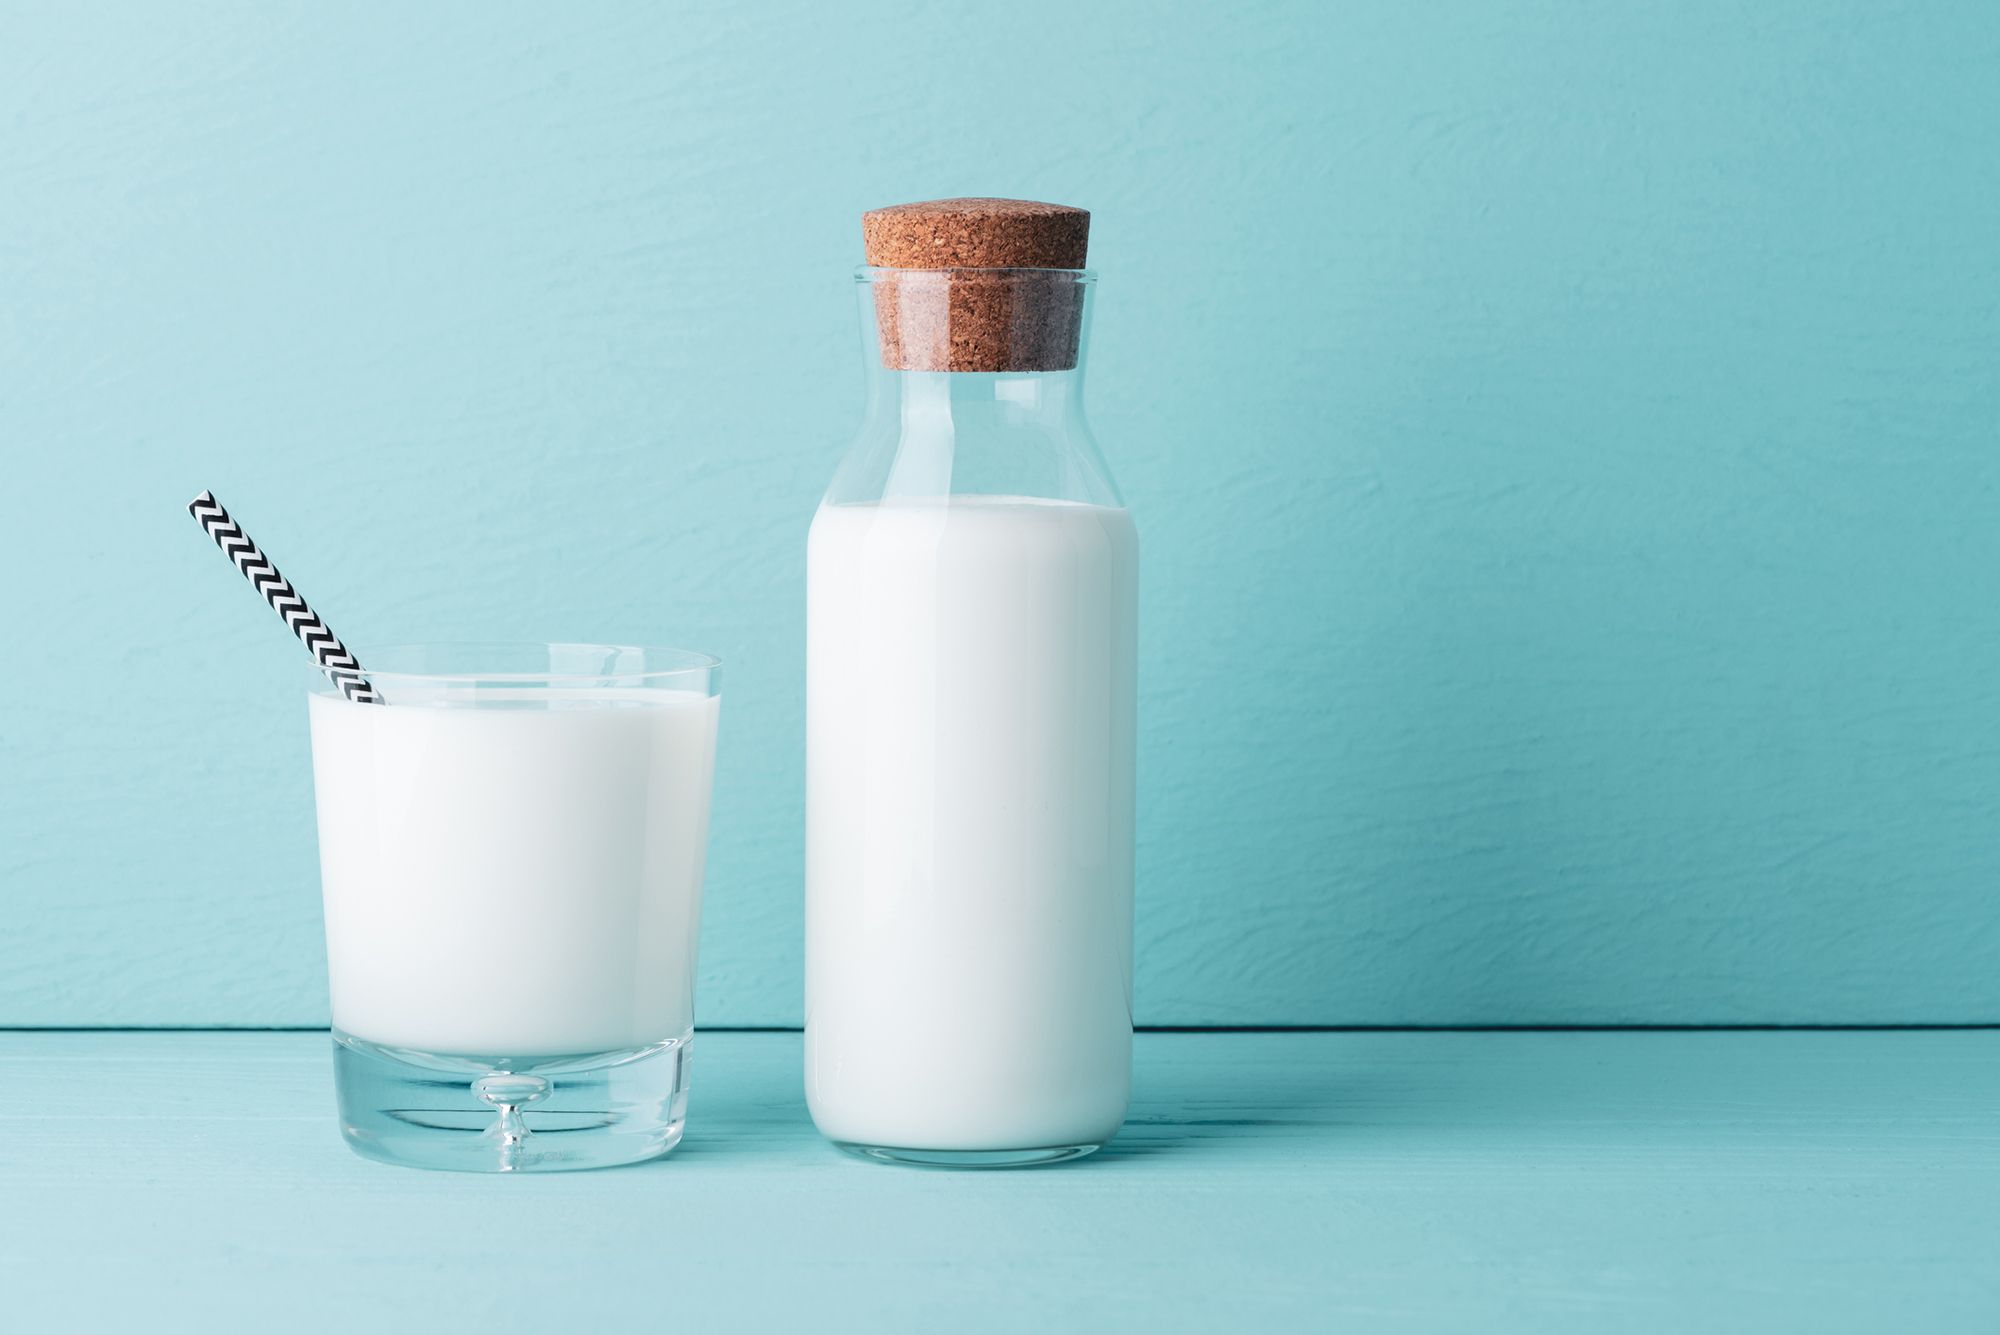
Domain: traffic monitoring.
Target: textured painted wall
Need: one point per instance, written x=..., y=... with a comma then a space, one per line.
x=1564, y=440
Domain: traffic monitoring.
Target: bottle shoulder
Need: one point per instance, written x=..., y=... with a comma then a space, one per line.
x=1034, y=464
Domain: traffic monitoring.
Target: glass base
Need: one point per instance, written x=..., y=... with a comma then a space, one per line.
x=1028, y=1158
x=503, y=1115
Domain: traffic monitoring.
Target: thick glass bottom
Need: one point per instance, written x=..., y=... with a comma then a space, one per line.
x=1025, y=1158
x=505, y=1115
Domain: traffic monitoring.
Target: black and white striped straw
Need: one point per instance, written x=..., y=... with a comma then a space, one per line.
x=327, y=650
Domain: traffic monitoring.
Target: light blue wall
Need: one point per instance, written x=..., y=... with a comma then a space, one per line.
x=1564, y=439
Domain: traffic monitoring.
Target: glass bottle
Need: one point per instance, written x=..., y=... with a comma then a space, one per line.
x=972, y=606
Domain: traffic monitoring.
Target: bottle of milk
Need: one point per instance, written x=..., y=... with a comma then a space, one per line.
x=972, y=606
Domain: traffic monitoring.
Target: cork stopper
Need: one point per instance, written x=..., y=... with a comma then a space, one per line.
x=983, y=284
x=976, y=234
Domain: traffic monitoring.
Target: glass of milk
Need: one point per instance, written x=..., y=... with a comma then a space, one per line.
x=511, y=854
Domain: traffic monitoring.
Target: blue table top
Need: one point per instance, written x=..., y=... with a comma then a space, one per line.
x=1383, y=1181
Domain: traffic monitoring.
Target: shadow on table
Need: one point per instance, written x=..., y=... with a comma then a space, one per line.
x=1229, y=1106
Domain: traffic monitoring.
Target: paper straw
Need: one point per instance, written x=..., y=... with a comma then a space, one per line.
x=327, y=650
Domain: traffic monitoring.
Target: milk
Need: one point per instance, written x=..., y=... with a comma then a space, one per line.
x=969, y=828
x=520, y=879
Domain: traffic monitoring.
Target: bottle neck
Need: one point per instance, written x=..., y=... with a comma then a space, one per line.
x=947, y=405
x=985, y=428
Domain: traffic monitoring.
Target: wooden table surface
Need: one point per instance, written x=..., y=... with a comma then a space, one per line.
x=1711, y=1181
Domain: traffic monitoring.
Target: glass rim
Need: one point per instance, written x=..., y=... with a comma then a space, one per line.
x=676, y=662
x=870, y=273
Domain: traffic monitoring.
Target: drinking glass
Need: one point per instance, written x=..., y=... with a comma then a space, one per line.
x=511, y=851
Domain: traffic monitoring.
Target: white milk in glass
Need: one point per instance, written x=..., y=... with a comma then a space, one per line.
x=970, y=778
x=518, y=879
